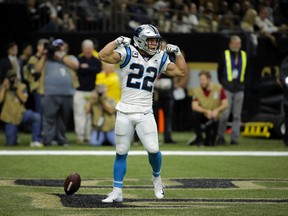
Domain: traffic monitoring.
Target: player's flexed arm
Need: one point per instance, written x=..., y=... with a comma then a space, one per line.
x=180, y=67
x=108, y=55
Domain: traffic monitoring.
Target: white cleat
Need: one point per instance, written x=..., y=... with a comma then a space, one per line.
x=158, y=187
x=114, y=196
x=36, y=144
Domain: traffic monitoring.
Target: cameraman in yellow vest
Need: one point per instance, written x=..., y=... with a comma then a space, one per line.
x=209, y=100
x=13, y=95
x=103, y=110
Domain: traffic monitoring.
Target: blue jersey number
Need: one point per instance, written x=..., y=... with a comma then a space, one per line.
x=140, y=83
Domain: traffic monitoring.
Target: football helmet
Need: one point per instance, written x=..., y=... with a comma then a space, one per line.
x=142, y=33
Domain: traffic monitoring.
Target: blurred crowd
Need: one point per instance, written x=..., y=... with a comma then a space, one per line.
x=180, y=16
x=39, y=92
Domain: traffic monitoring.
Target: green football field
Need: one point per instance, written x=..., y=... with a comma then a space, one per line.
x=248, y=179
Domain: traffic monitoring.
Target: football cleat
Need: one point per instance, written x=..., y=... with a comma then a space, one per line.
x=114, y=196
x=158, y=187
x=36, y=144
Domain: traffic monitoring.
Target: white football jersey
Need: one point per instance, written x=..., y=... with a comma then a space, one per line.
x=138, y=77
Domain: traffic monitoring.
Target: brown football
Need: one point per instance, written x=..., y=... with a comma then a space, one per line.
x=72, y=183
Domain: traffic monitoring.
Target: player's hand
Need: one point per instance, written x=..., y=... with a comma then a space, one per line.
x=123, y=40
x=170, y=48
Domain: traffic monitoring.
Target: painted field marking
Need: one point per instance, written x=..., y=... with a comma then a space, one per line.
x=168, y=153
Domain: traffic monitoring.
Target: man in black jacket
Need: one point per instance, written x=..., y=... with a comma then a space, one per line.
x=231, y=75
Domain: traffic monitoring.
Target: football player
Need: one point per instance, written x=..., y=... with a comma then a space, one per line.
x=140, y=65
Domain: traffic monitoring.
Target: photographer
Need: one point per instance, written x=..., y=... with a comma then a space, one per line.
x=32, y=72
x=13, y=95
x=103, y=111
x=57, y=86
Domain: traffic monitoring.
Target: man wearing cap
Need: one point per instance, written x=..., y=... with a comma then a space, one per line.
x=57, y=86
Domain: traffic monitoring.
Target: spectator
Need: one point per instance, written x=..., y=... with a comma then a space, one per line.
x=27, y=51
x=231, y=75
x=89, y=14
x=209, y=101
x=161, y=16
x=103, y=112
x=192, y=17
x=139, y=13
x=33, y=15
x=225, y=17
x=57, y=86
x=89, y=67
x=180, y=20
x=236, y=11
x=11, y=62
x=163, y=99
x=267, y=26
x=207, y=22
x=110, y=78
x=248, y=26
x=51, y=13
x=68, y=23
x=245, y=6
x=248, y=21
x=13, y=95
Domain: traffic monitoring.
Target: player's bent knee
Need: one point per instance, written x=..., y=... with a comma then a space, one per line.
x=153, y=149
x=121, y=149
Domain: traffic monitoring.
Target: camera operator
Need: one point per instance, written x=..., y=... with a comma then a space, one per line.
x=13, y=95
x=32, y=72
x=283, y=82
x=57, y=86
x=103, y=112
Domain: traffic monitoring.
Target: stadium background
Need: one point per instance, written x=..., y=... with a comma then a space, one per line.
x=262, y=101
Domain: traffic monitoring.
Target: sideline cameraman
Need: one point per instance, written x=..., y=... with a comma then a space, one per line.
x=103, y=112
x=283, y=82
x=57, y=87
x=13, y=95
x=32, y=72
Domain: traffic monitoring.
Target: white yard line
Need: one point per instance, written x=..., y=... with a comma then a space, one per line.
x=170, y=153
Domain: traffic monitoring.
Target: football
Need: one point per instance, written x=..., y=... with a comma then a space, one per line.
x=72, y=183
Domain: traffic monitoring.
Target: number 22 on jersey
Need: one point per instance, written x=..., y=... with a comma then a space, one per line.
x=143, y=78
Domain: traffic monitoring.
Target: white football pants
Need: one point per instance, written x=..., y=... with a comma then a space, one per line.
x=143, y=123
